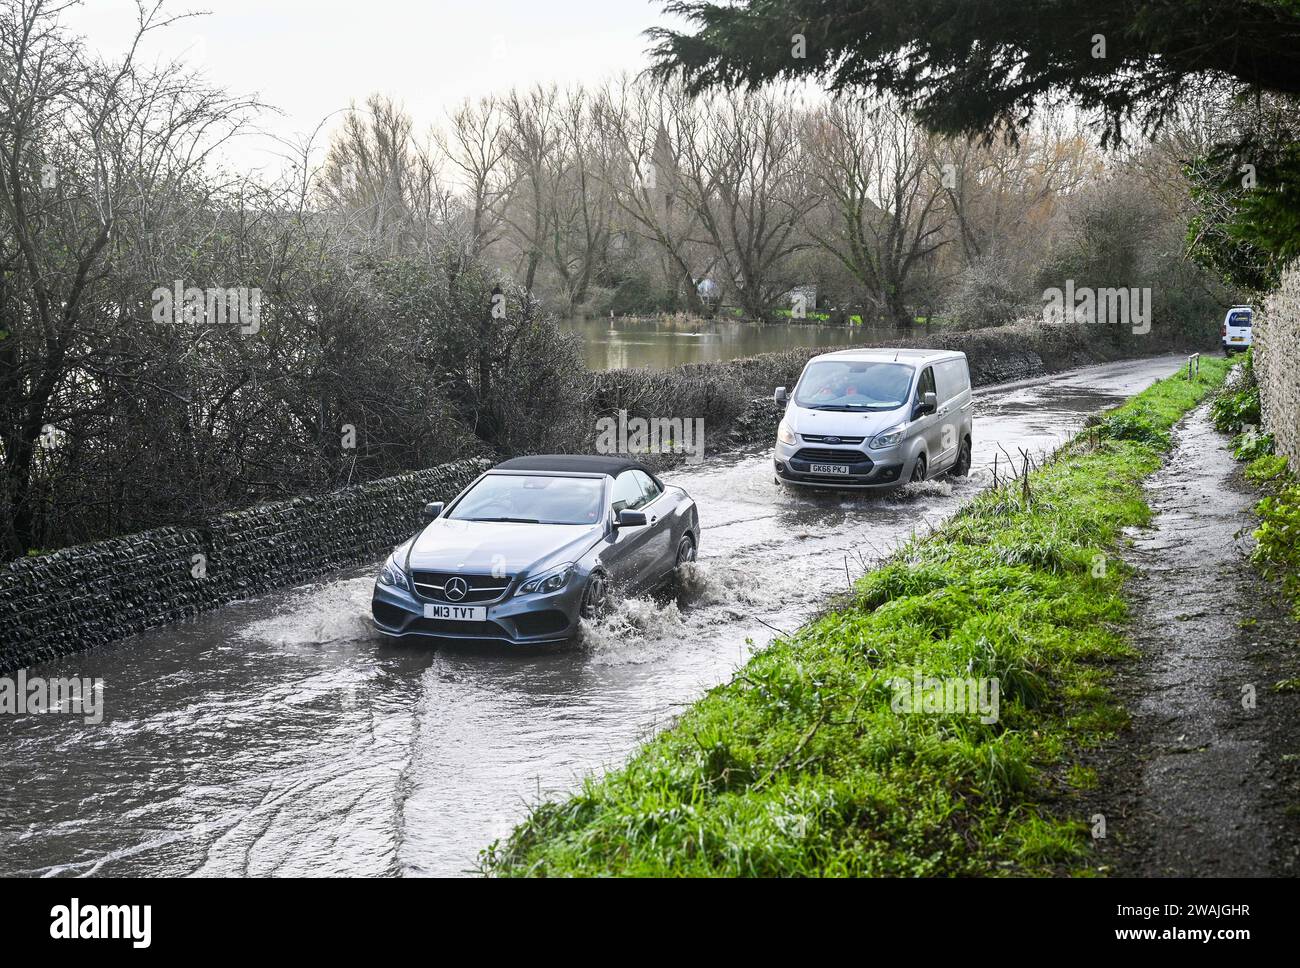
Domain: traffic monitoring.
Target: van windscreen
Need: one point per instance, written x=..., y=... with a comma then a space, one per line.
x=854, y=385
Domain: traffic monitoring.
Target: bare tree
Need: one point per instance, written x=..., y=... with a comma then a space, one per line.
x=90, y=151
x=533, y=141
x=581, y=201
x=1005, y=195
x=477, y=146
x=885, y=212
x=743, y=175
x=387, y=185
x=648, y=125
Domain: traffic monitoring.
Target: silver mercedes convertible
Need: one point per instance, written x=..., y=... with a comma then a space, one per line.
x=533, y=546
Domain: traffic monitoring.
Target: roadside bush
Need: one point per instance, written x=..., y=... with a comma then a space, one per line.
x=1277, y=539
x=1277, y=549
x=1238, y=406
x=1265, y=470
x=985, y=296
x=1252, y=444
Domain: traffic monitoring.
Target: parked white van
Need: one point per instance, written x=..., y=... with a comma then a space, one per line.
x=1236, y=329
x=875, y=418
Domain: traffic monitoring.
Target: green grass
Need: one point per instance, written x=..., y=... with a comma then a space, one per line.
x=1277, y=539
x=801, y=765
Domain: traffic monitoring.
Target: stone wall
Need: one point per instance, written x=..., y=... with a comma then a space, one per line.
x=1277, y=364
x=90, y=594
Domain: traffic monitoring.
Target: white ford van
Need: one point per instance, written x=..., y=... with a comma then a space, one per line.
x=1236, y=329
x=875, y=418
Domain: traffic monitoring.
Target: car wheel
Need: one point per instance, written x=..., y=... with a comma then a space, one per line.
x=596, y=596
x=962, y=467
x=918, y=470
x=685, y=550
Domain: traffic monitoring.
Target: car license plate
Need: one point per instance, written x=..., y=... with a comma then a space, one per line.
x=1239, y=339
x=457, y=613
x=829, y=468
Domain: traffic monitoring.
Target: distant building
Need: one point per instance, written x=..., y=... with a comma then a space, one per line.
x=802, y=300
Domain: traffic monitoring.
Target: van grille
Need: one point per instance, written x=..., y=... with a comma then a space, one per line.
x=820, y=439
x=824, y=455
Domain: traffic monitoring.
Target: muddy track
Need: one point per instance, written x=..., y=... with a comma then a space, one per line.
x=1206, y=782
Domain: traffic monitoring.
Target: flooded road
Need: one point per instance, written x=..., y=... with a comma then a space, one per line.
x=283, y=737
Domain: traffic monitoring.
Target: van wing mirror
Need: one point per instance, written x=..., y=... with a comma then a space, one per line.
x=432, y=511
x=929, y=403
x=781, y=396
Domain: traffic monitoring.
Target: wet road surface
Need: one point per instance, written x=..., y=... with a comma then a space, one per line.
x=282, y=736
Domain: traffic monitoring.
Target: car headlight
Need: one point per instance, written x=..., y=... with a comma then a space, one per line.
x=392, y=574
x=889, y=437
x=547, y=581
x=784, y=433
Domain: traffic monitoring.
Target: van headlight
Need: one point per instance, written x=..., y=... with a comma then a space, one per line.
x=392, y=574
x=547, y=581
x=785, y=434
x=889, y=437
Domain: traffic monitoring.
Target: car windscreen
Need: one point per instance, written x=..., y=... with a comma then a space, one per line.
x=854, y=385
x=1240, y=318
x=532, y=499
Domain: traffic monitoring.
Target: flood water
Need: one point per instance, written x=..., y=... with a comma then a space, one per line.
x=282, y=737
x=617, y=343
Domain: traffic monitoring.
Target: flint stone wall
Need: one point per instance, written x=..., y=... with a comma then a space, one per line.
x=90, y=594
x=1277, y=365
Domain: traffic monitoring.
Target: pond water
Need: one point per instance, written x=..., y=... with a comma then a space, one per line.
x=616, y=343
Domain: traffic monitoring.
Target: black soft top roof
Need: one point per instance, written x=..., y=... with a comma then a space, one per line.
x=574, y=464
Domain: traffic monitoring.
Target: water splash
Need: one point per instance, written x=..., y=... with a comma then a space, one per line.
x=936, y=487
x=337, y=611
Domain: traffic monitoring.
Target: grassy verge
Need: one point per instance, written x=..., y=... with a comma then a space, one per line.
x=1277, y=539
x=801, y=765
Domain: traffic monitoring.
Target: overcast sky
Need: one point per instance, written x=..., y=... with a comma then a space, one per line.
x=312, y=57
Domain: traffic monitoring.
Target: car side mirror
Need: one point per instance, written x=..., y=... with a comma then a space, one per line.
x=781, y=397
x=630, y=519
x=432, y=511
x=929, y=404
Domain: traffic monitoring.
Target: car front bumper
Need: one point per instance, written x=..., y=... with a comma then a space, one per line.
x=516, y=620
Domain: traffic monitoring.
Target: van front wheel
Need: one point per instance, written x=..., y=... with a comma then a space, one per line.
x=918, y=470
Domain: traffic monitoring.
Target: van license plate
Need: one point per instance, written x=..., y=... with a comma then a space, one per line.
x=457, y=613
x=829, y=468
x=1239, y=339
